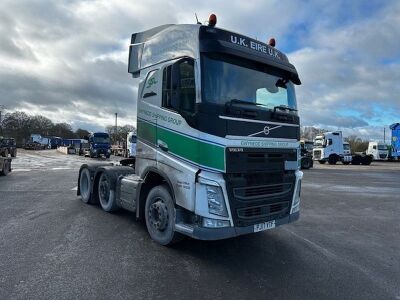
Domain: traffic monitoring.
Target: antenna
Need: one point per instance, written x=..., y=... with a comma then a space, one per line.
x=197, y=20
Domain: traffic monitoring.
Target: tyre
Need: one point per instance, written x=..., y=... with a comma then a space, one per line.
x=306, y=163
x=107, y=156
x=6, y=168
x=322, y=161
x=366, y=160
x=14, y=153
x=160, y=216
x=85, y=186
x=107, y=196
x=332, y=160
x=5, y=153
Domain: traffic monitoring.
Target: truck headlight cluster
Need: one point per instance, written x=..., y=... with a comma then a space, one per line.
x=296, y=199
x=216, y=202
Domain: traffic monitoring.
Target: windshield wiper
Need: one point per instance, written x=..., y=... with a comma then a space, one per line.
x=284, y=107
x=232, y=101
x=242, y=102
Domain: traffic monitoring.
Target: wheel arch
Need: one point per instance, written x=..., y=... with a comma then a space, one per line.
x=152, y=178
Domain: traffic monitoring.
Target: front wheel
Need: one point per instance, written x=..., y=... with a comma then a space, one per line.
x=160, y=216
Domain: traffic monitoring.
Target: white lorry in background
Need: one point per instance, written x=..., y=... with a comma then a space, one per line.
x=378, y=150
x=131, y=144
x=330, y=147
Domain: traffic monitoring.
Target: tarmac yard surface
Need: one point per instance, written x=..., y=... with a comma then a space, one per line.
x=346, y=244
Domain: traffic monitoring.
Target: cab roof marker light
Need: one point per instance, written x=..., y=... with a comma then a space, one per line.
x=272, y=42
x=212, y=20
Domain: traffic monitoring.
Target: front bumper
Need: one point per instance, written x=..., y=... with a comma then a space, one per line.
x=210, y=234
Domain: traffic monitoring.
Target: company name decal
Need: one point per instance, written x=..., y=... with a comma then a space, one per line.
x=255, y=46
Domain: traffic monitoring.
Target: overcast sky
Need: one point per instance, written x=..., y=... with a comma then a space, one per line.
x=67, y=60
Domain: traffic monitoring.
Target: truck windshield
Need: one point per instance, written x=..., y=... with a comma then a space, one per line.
x=318, y=143
x=382, y=147
x=346, y=146
x=101, y=139
x=224, y=81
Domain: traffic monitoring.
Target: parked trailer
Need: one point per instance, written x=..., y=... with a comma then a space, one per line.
x=212, y=161
x=5, y=165
x=395, y=141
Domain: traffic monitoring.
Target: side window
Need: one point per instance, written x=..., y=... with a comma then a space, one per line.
x=178, y=88
x=166, y=87
x=150, y=86
x=374, y=147
x=329, y=142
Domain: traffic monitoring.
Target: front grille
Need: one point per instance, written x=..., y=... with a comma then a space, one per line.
x=382, y=156
x=263, y=210
x=255, y=192
x=260, y=196
x=317, y=154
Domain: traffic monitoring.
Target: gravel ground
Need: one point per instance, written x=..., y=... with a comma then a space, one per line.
x=346, y=244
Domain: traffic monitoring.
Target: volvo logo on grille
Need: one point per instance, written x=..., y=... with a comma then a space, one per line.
x=266, y=130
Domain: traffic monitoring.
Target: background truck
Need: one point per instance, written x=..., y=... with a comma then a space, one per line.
x=99, y=144
x=214, y=160
x=330, y=147
x=8, y=147
x=379, y=151
x=395, y=141
x=131, y=144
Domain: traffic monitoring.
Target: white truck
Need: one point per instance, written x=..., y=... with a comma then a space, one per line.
x=131, y=141
x=378, y=150
x=330, y=147
x=217, y=137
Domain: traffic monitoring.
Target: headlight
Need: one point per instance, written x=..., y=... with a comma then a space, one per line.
x=216, y=202
x=296, y=199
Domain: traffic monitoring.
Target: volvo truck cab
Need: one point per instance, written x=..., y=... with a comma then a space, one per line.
x=217, y=137
x=329, y=147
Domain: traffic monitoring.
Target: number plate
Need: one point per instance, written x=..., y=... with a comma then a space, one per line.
x=264, y=226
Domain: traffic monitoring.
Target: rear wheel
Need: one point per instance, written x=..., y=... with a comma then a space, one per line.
x=106, y=194
x=332, y=160
x=5, y=153
x=160, y=216
x=85, y=185
x=6, y=168
x=306, y=163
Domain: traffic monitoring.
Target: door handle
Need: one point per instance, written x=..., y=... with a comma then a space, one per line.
x=163, y=146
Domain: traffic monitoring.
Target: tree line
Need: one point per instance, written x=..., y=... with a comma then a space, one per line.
x=20, y=126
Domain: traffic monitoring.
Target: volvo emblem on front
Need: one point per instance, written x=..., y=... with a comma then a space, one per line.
x=266, y=130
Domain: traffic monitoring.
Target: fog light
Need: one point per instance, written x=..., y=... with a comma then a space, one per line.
x=213, y=223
